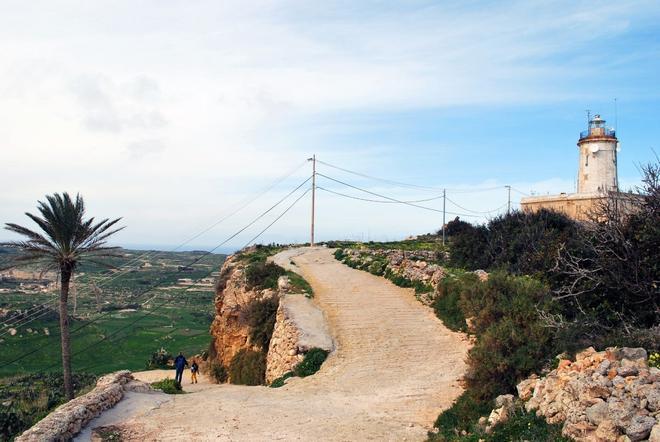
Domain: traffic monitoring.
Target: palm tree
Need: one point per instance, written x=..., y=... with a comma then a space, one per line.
x=67, y=239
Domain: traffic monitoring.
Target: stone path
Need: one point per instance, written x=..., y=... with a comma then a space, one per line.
x=395, y=367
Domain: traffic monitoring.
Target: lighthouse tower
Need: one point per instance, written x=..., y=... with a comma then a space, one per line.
x=597, y=168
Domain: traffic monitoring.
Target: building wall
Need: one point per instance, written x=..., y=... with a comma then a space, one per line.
x=581, y=207
x=597, y=168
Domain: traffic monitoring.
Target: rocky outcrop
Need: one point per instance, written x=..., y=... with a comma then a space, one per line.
x=299, y=327
x=299, y=324
x=610, y=395
x=230, y=330
x=68, y=419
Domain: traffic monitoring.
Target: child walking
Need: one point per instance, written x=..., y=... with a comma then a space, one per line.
x=194, y=368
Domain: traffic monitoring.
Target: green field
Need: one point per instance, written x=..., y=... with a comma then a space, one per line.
x=138, y=310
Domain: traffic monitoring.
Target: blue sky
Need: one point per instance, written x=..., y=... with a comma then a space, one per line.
x=171, y=113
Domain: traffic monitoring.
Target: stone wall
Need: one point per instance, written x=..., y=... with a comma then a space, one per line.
x=610, y=395
x=67, y=420
x=299, y=327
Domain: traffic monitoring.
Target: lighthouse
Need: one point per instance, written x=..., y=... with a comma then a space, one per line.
x=597, y=170
x=597, y=182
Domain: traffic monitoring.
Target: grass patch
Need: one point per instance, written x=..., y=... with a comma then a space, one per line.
x=311, y=363
x=169, y=386
x=299, y=284
x=279, y=382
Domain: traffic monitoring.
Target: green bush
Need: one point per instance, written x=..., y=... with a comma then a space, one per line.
x=248, y=367
x=160, y=359
x=311, y=363
x=377, y=268
x=279, y=382
x=169, y=386
x=446, y=303
x=462, y=416
x=339, y=254
x=511, y=340
x=25, y=399
x=218, y=372
x=299, y=284
x=263, y=275
x=527, y=426
x=260, y=315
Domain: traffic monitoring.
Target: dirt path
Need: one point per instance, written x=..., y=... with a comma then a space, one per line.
x=395, y=367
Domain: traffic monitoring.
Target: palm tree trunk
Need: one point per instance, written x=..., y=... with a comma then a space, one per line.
x=65, y=272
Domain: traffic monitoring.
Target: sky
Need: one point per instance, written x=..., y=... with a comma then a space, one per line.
x=176, y=114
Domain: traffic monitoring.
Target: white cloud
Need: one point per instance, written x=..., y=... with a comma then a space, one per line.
x=165, y=111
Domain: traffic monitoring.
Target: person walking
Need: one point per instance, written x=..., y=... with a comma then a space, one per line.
x=194, y=368
x=180, y=363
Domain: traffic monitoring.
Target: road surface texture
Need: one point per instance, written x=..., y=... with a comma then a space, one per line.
x=394, y=368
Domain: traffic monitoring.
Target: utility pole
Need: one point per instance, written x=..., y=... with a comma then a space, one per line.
x=444, y=204
x=508, y=204
x=313, y=159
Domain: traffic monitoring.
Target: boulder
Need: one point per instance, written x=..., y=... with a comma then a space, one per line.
x=640, y=428
x=634, y=353
x=597, y=413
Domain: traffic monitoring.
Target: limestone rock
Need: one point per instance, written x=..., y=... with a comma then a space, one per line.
x=640, y=428
x=599, y=396
x=655, y=434
x=597, y=413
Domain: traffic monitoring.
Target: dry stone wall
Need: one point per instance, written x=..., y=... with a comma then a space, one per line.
x=611, y=395
x=68, y=419
x=299, y=327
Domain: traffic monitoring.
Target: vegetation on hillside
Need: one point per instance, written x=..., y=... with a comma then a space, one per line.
x=555, y=285
x=26, y=399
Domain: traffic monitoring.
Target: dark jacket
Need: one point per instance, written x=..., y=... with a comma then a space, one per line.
x=180, y=362
x=194, y=367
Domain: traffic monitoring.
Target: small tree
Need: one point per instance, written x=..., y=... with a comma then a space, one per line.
x=67, y=239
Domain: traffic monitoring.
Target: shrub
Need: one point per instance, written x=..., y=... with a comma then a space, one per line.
x=311, y=363
x=446, y=304
x=248, y=367
x=654, y=360
x=159, y=359
x=467, y=248
x=263, y=275
x=339, y=254
x=463, y=415
x=527, y=426
x=218, y=372
x=511, y=339
x=169, y=386
x=299, y=284
x=377, y=268
x=279, y=382
x=260, y=315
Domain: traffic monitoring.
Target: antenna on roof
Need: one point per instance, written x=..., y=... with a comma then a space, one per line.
x=588, y=111
x=616, y=117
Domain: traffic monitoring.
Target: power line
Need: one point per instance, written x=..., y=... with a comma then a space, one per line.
x=178, y=271
x=484, y=212
x=402, y=184
x=383, y=196
x=172, y=298
x=38, y=313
